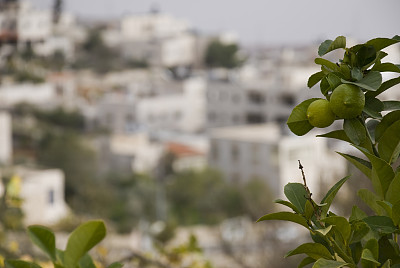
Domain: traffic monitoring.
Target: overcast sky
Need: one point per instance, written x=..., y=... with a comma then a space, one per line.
x=273, y=22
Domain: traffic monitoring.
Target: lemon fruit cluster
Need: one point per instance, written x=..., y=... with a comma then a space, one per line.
x=346, y=102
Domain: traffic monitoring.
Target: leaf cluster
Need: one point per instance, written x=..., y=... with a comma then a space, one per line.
x=369, y=241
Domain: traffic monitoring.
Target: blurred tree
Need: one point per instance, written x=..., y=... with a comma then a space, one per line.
x=219, y=54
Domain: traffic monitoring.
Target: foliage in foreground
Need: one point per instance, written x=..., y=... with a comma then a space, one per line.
x=362, y=240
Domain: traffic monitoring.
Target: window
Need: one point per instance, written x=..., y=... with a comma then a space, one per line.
x=253, y=118
x=255, y=97
x=50, y=196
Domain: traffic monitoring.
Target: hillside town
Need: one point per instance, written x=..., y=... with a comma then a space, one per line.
x=85, y=107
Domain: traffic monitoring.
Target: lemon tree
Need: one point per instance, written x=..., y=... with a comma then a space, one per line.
x=350, y=91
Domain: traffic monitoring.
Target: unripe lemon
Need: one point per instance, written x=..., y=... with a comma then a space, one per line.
x=319, y=114
x=347, y=101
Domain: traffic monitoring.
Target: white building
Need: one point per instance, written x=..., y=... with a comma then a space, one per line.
x=5, y=139
x=322, y=166
x=260, y=151
x=42, y=192
x=183, y=111
x=144, y=27
x=37, y=94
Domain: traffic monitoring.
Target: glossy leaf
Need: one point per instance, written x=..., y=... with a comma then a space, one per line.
x=341, y=225
x=367, y=256
x=86, y=262
x=357, y=214
x=386, y=122
x=393, y=193
x=329, y=45
x=372, y=81
x=373, y=246
x=385, y=86
x=308, y=210
x=330, y=195
x=356, y=74
x=313, y=250
x=382, y=173
x=306, y=261
x=315, y=78
x=370, y=199
x=363, y=165
x=324, y=86
x=336, y=134
x=288, y=204
x=296, y=194
x=381, y=43
x=19, y=264
x=323, y=263
x=359, y=230
x=386, y=264
x=354, y=130
x=43, y=238
x=324, y=231
x=333, y=80
x=386, y=67
x=380, y=224
x=81, y=240
x=391, y=105
x=396, y=213
x=389, y=144
x=373, y=107
x=328, y=64
x=386, y=206
x=298, y=122
x=366, y=55
x=285, y=216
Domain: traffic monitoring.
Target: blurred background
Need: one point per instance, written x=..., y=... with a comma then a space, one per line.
x=168, y=120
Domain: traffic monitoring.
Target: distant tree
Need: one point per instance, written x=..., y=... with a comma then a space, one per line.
x=219, y=54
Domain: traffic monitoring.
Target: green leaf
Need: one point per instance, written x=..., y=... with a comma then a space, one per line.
x=396, y=213
x=355, y=130
x=313, y=250
x=357, y=214
x=356, y=74
x=381, y=43
x=389, y=144
x=365, y=55
x=285, y=216
x=367, y=256
x=296, y=193
x=385, y=85
x=330, y=195
x=386, y=264
x=345, y=70
x=373, y=246
x=363, y=165
x=386, y=122
x=324, y=231
x=373, y=107
x=372, y=81
x=333, y=80
x=308, y=210
x=356, y=250
x=370, y=199
x=359, y=230
x=81, y=240
x=388, y=249
x=86, y=262
x=386, y=67
x=381, y=224
x=329, y=45
x=341, y=225
x=298, y=122
x=328, y=64
x=19, y=264
x=306, y=261
x=391, y=105
x=382, y=173
x=386, y=206
x=43, y=238
x=392, y=194
x=336, y=134
x=115, y=265
x=315, y=78
x=288, y=204
x=325, y=86
x=371, y=126
x=323, y=263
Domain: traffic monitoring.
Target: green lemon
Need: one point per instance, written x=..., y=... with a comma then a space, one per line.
x=319, y=114
x=347, y=101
